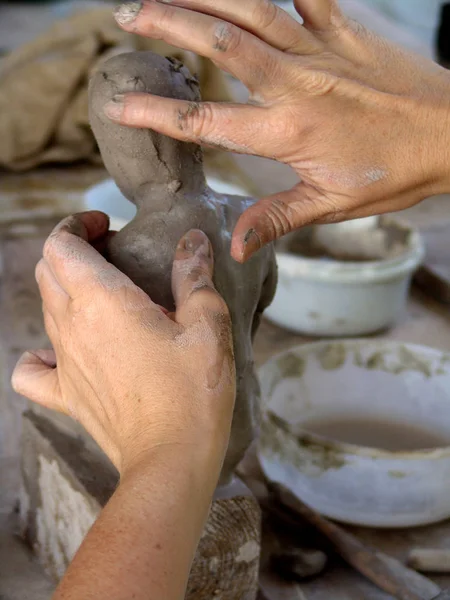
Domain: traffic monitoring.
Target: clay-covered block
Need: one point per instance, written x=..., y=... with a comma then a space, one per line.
x=66, y=482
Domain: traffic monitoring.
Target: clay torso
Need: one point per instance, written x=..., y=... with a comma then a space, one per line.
x=165, y=180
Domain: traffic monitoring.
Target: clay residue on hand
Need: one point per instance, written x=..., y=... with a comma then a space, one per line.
x=386, y=241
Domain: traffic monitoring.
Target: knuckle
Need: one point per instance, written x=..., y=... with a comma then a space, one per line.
x=197, y=119
x=136, y=110
x=281, y=218
x=354, y=28
x=320, y=83
x=226, y=37
x=210, y=299
x=322, y=209
x=334, y=215
x=200, y=274
x=164, y=19
x=265, y=14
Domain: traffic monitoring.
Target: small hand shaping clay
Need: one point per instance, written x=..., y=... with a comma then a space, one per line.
x=164, y=178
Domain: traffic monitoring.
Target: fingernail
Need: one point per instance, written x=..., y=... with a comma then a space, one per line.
x=251, y=243
x=127, y=12
x=114, y=108
x=195, y=242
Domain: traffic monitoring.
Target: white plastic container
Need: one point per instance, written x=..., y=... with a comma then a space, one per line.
x=332, y=298
x=368, y=380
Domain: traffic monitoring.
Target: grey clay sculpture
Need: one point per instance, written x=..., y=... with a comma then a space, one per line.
x=164, y=178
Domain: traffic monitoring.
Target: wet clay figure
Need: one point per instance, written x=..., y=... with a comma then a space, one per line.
x=164, y=178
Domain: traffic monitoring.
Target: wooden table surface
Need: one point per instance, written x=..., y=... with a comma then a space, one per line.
x=31, y=202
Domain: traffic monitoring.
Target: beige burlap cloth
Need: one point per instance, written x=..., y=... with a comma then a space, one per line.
x=43, y=89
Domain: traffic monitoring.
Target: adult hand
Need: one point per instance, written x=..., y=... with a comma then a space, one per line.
x=365, y=125
x=135, y=377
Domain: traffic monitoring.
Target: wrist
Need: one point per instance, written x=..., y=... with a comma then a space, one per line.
x=198, y=461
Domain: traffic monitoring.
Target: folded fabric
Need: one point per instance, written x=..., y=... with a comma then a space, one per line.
x=43, y=88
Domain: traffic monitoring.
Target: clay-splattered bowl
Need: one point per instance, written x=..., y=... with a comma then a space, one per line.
x=397, y=393
x=345, y=279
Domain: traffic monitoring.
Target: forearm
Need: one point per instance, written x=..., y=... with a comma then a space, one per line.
x=144, y=541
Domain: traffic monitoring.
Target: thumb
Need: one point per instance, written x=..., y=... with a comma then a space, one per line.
x=36, y=377
x=192, y=284
x=273, y=217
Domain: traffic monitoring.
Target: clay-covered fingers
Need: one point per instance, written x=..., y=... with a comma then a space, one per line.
x=320, y=15
x=36, y=377
x=69, y=253
x=273, y=217
x=192, y=280
x=221, y=41
x=262, y=18
x=223, y=126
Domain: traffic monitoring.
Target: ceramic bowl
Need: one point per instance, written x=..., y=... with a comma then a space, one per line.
x=336, y=298
x=404, y=387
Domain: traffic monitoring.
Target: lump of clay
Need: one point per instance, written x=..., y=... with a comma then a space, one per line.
x=164, y=178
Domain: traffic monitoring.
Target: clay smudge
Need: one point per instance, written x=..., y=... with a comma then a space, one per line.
x=219, y=371
x=291, y=365
x=406, y=360
x=376, y=361
x=413, y=362
x=113, y=280
x=252, y=241
x=192, y=268
x=374, y=175
x=397, y=474
x=248, y=552
x=127, y=12
x=223, y=35
x=351, y=180
x=307, y=456
x=193, y=110
x=219, y=142
x=332, y=356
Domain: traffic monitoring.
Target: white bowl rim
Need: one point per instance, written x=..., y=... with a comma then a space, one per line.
x=315, y=269
x=343, y=447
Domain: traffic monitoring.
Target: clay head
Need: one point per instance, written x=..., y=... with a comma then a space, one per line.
x=141, y=160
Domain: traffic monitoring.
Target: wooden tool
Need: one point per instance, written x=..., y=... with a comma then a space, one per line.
x=387, y=573
x=429, y=560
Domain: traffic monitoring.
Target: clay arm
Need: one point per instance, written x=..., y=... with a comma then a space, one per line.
x=267, y=295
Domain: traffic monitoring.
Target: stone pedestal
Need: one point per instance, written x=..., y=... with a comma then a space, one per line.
x=66, y=482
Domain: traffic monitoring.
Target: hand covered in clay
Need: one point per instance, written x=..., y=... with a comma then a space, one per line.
x=135, y=377
x=365, y=125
